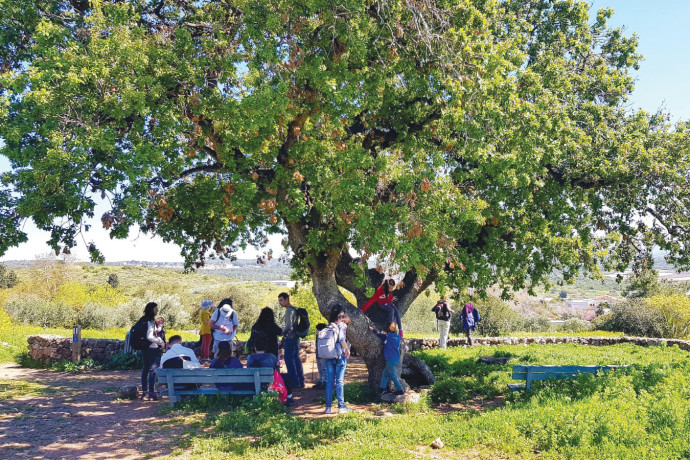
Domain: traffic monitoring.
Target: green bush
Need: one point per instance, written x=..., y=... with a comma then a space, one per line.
x=449, y=390
x=575, y=325
x=34, y=310
x=536, y=324
x=497, y=317
x=170, y=307
x=633, y=317
x=124, y=361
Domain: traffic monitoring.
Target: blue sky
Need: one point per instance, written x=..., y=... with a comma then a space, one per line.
x=662, y=81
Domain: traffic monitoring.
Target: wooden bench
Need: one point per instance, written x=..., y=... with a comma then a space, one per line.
x=530, y=373
x=256, y=376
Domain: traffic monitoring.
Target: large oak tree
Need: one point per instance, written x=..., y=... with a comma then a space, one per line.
x=466, y=143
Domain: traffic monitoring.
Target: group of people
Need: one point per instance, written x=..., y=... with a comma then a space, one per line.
x=469, y=318
x=218, y=328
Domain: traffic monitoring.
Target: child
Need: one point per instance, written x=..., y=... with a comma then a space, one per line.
x=320, y=362
x=159, y=331
x=205, y=329
x=391, y=353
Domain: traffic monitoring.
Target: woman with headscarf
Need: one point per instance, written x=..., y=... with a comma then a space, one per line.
x=469, y=317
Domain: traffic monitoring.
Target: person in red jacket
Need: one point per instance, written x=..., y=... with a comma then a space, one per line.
x=385, y=299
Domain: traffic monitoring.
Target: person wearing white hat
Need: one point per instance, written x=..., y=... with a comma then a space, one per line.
x=224, y=323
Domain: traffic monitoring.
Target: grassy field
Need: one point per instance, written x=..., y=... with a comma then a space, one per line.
x=642, y=412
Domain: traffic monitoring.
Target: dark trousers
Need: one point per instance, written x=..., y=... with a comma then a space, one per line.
x=393, y=314
x=292, y=361
x=151, y=358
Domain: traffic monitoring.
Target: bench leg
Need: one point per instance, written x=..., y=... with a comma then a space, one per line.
x=171, y=391
x=257, y=384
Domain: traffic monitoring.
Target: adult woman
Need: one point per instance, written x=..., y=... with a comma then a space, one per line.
x=150, y=355
x=266, y=328
x=335, y=367
x=469, y=317
x=385, y=299
x=225, y=360
x=205, y=329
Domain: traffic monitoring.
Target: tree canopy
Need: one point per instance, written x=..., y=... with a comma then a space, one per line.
x=464, y=142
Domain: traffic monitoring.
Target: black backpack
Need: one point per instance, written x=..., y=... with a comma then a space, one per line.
x=442, y=312
x=137, y=335
x=302, y=326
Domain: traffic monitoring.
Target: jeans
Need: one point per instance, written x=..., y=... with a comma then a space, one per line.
x=335, y=375
x=321, y=365
x=390, y=373
x=393, y=314
x=151, y=357
x=340, y=367
x=292, y=361
x=444, y=329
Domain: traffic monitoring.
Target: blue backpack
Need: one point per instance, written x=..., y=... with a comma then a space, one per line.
x=469, y=321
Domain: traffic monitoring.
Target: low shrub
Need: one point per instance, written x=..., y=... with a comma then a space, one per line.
x=536, y=324
x=575, y=325
x=449, y=390
x=633, y=317
x=124, y=361
x=34, y=310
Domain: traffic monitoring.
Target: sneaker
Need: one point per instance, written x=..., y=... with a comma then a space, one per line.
x=289, y=402
x=399, y=392
x=153, y=396
x=319, y=386
x=327, y=411
x=382, y=391
x=344, y=410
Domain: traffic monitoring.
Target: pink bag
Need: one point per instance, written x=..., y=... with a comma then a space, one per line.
x=279, y=386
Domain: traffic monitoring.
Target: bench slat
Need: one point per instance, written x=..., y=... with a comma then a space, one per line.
x=531, y=372
x=258, y=376
x=558, y=369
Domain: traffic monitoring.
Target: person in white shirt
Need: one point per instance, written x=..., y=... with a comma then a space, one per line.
x=177, y=350
x=224, y=323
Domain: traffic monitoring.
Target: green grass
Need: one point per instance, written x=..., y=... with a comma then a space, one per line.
x=642, y=412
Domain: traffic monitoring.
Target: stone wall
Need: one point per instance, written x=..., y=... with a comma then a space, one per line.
x=55, y=348
x=46, y=348
x=426, y=344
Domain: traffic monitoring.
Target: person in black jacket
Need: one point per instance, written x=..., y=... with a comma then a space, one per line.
x=266, y=328
x=443, y=315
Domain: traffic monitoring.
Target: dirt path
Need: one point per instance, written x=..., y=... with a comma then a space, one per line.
x=46, y=414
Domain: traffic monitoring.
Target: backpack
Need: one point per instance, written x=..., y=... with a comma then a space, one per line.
x=327, y=339
x=469, y=321
x=442, y=312
x=137, y=335
x=302, y=325
x=255, y=335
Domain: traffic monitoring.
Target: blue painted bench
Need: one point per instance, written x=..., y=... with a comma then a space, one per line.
x=258, y=376
x=528, y=373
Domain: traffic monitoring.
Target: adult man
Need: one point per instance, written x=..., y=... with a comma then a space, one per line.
x=178, y=355
x=291, y=342
x=224, y=323
x=443, y=315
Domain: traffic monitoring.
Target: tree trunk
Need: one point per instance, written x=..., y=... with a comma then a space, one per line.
x=365, y=342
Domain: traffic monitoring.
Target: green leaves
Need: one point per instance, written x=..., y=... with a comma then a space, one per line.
x=476, y=144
